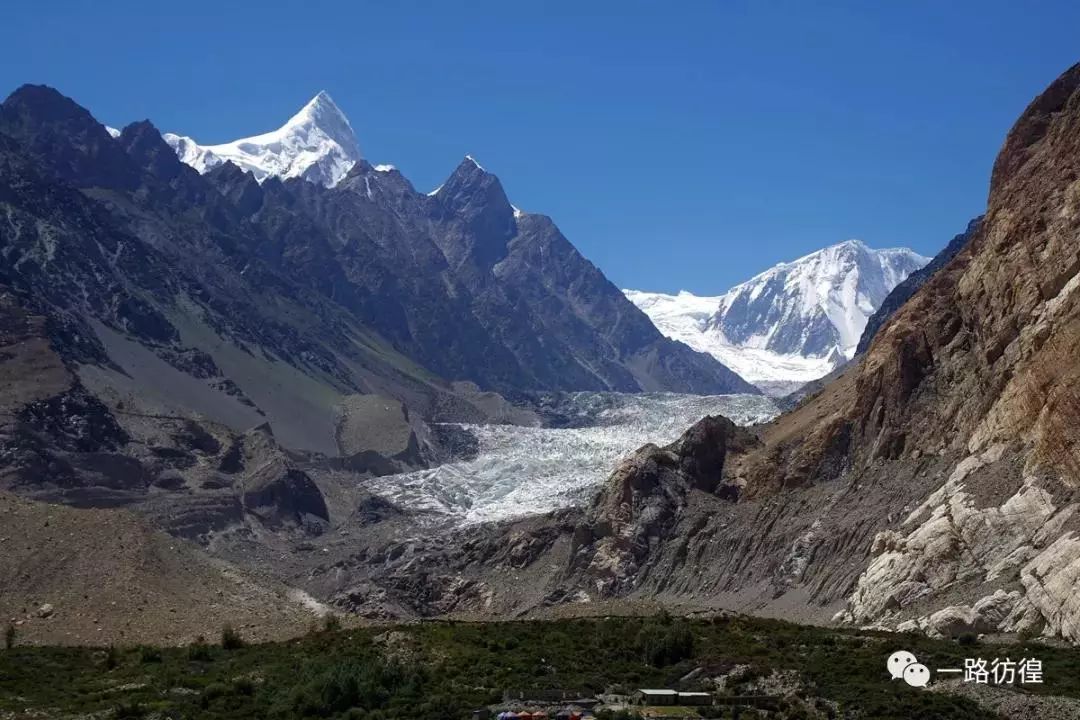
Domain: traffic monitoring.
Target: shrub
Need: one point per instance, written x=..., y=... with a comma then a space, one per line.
x=9, y=636
x=331, y=623
x=129, y=710
x=149, y=654
x=112, y=658
x=212, y=692
x=606, y=714
x=666, y=643
x=353, y=683
x=244, y=686
x=230, y=639
x=968, y=639
x=199, y=651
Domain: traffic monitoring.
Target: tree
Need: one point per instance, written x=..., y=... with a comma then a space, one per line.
x=230, y=639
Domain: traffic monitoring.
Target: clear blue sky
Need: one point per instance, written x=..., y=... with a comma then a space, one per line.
x=678, y=145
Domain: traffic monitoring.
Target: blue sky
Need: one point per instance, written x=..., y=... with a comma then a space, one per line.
x=678, y=145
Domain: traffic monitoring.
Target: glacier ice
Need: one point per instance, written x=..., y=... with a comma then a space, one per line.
x=527, y=470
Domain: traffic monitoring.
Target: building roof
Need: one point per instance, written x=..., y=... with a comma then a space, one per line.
x=696, y=693
x=647, y=691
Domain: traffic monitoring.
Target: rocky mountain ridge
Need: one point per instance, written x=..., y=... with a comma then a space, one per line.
x=932, y=485
x=903, y=292
x=230, y=359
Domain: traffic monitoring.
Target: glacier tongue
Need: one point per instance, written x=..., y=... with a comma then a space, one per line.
x=528, y=470
x=317, y=144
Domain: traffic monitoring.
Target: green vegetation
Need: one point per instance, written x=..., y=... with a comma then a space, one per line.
x=199, y=651
x=439, y=670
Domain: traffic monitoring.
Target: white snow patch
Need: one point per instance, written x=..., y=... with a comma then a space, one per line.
x=112, y=131
x=384, y=168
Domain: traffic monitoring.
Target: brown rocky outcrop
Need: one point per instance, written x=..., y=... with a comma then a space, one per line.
x=934, y=483
x=637, y=509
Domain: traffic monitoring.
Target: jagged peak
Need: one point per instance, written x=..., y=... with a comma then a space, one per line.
x=317, y=143
x=471, y=159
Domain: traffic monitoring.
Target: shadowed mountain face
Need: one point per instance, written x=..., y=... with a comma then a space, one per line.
x=465, y=285
x=366, y=278
x=232, y=358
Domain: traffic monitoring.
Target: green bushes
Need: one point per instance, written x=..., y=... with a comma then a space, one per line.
x=436, y=670
x=605, y=714
x=129, y=711
x=355, y=683
x=199, y=651
x=665, y=642
x=149, y=654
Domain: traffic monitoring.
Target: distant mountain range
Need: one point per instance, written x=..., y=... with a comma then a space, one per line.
x=283, y=295
x=791, y=324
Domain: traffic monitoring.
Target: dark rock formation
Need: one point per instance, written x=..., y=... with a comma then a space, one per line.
x=636, y=511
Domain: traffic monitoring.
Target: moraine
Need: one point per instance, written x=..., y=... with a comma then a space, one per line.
x=527, y=470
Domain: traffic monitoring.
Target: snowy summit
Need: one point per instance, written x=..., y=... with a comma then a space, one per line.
x=793, y=323
x=317, y=144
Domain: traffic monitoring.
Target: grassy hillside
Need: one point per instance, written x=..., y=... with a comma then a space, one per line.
x=445, y=670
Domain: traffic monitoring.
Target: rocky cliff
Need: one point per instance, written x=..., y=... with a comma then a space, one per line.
x=932, y=484
x=903, y=292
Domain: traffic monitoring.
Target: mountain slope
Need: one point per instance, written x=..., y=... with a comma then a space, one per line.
x=933, y=485
x=793, y=323
x=903, y=292
x=465, y=284
x=317, y=144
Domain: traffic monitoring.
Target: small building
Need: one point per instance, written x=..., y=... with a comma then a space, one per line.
x=695, y=698
x=647, y=696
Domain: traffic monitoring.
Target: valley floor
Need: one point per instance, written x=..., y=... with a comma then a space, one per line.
x=447, y=670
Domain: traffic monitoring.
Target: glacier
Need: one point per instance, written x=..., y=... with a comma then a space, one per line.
x=521, y=470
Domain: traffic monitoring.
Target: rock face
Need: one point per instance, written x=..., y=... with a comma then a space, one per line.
x=637, y=509
x=903, y=292
x=230, y=359
x=933, y=483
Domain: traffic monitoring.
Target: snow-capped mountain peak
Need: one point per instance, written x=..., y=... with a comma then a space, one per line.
x=816, y=303
x=317, y=144
x=794, y=322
